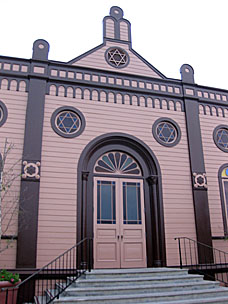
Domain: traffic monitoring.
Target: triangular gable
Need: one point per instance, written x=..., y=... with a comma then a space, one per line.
x=117, y=44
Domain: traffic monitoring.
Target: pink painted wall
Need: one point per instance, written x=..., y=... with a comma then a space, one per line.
x=8, y=256
x=221, y=245
x=58, y=192
x=109, y=24
x=214, y=159
x=13, y=131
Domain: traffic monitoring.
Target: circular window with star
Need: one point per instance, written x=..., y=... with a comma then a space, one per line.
x=68, y=122
x=220, y=136
x=117, y=57
x=166, y=132
x=3, y=113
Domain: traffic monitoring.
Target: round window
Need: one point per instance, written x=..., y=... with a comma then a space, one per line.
x=117, y=57
x=166, y=132
x=221, y=137
x=68, y=122
x=3, y=113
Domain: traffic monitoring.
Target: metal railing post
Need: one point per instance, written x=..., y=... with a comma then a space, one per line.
x=180, y=254
x=201, y=264
x=7, y=291
x=90, y=256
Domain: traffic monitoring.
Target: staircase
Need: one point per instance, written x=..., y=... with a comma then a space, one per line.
x=149, y=285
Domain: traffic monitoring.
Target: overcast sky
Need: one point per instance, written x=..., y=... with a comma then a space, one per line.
x=167, y=33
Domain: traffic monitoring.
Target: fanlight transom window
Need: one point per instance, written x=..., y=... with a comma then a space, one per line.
x=117, y=163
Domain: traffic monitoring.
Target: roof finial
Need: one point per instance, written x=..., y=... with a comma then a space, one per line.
x=40, y=49
x=116, y=12
x=187, y=73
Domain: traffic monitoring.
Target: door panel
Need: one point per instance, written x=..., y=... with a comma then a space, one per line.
x=132, y=254
x=106, y=245
x=119, y=225
x=133, y=243
x=106, y=249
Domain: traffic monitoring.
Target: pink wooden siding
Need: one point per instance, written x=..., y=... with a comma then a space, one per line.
x=58, y=193
x=8, y=256
x=135, y=66
x=13, y=130
x=124, y=31
x=221, y=245
x=109, y=24
x=214, y=159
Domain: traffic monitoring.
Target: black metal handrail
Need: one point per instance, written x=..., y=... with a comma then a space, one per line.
x=46, y=284
x=203, y=259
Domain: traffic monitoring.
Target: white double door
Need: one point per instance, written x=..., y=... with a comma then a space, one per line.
x=119, y=223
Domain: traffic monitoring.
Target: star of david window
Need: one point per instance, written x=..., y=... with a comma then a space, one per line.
x=68, y=122
x=117, y=57
x=117, y=163
x=166, y=132
x=221, y=137
x=3, y=113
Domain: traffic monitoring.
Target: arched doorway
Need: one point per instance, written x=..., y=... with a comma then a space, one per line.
x=148, y=182
x=118, y=219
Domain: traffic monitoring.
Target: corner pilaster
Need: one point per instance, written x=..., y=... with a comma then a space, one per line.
x=198, y=172
x=31, y=158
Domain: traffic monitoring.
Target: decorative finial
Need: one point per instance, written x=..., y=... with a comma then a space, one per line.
x=40, y=49
x=116, y=12
x=187, y=73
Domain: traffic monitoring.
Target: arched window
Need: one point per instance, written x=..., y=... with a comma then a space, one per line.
x=223, y=185
x=117, y=163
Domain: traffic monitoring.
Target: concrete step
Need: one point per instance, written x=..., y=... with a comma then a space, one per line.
x=150, y=285
x=195, y=301
x=133, y=289
x=139, y=272
x=155, y=297
x=119, y=281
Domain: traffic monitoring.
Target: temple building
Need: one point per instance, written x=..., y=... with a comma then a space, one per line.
x=109, y=148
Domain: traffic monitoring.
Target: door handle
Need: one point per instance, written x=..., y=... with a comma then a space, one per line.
x=121, y=237
x=118, y=237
